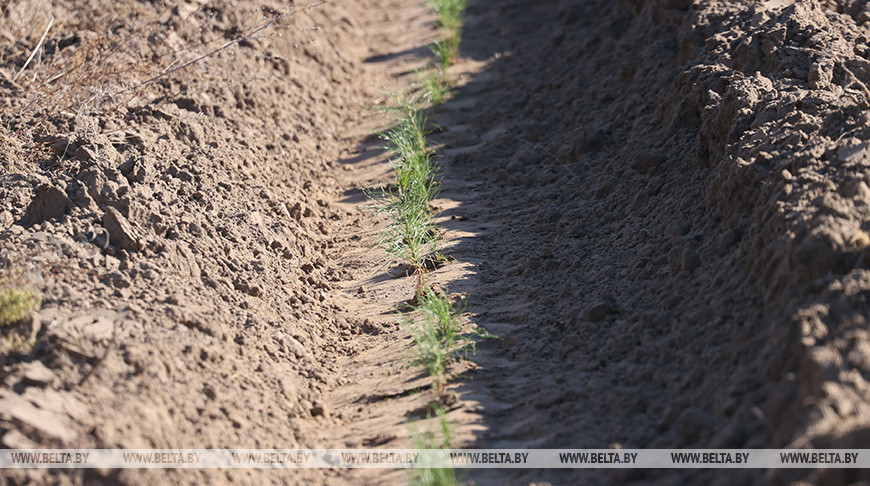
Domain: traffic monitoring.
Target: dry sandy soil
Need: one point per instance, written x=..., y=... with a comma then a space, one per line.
x=660, y=206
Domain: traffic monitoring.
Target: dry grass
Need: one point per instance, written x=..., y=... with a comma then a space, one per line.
x=101, y=60
x=65, y=66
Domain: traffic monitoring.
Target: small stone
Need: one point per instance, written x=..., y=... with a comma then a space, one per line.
x=361, y=290
x=84, y=200
x=36, y=373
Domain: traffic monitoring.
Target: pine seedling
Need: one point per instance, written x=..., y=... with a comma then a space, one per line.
x=411, y=235
x=428, y=352
x=435, y=476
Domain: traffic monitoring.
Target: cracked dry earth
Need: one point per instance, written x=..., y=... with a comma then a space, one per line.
x=659, y=206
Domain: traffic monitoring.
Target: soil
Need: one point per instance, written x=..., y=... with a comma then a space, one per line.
x=659, y=206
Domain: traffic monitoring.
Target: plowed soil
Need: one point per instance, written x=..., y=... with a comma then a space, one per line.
x=659, y=206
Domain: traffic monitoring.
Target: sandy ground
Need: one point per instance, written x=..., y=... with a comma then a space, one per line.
x=660, y=207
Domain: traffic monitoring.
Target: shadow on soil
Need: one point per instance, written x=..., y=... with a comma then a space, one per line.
x=537, y=228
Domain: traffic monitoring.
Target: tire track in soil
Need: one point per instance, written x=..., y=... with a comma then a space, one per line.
x=378, y=394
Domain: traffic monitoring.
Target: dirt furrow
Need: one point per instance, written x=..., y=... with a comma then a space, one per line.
x=659, y=206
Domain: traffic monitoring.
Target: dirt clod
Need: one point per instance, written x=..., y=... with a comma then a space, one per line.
x=49, y=202
x=121, y=233
x=36, y=373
